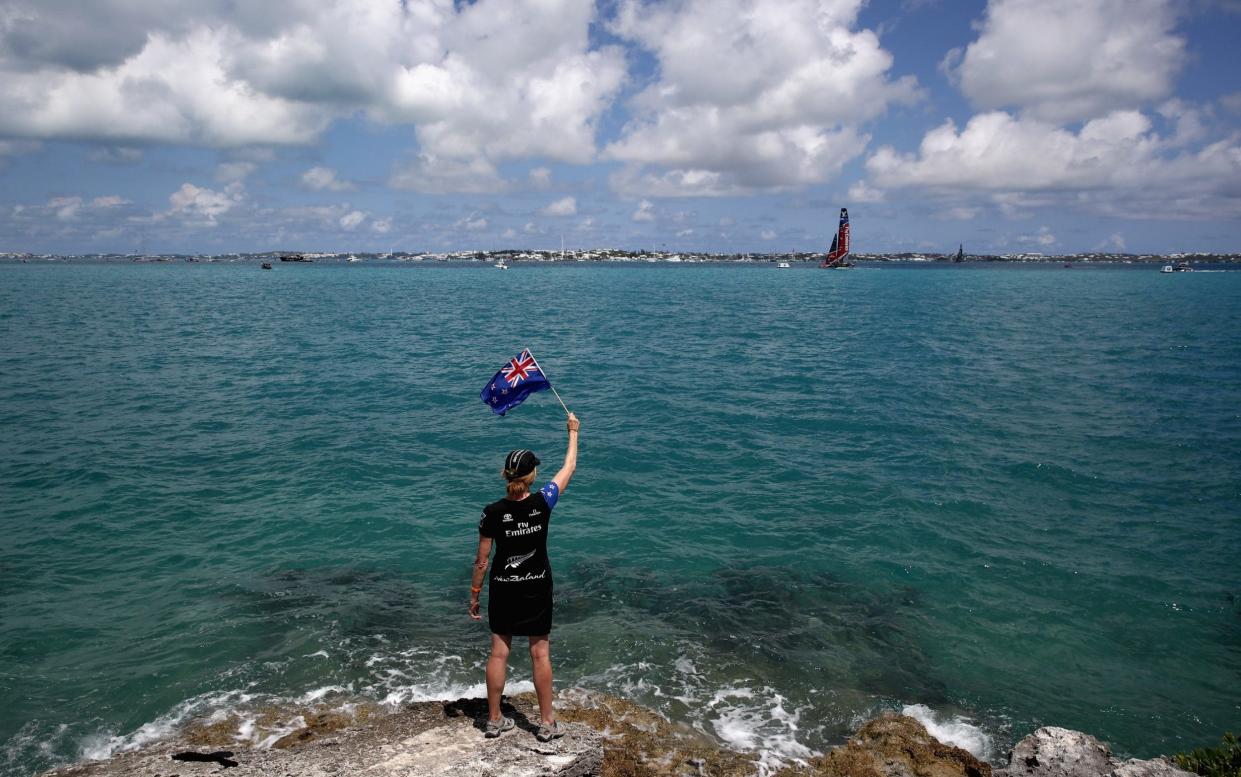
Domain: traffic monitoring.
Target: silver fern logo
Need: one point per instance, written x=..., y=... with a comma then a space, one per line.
x=516, y=561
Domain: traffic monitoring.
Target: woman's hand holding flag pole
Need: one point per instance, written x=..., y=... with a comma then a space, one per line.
x=518, y=379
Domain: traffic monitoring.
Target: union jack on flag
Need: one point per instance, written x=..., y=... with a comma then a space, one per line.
x=515, y=381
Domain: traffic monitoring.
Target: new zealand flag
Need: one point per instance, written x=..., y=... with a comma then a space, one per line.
x=520, y=378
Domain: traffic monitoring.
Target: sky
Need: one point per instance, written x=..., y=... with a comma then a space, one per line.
x=212, y=126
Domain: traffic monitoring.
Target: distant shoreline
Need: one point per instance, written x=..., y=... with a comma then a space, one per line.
x=613, y=256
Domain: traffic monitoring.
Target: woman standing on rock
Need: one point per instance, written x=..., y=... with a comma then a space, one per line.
x=520, y=585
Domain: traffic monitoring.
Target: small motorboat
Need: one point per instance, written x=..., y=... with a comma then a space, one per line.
x=265, y=265
x=782, y=266
x=500, y=265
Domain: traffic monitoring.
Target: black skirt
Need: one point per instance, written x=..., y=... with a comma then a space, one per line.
x=520, y=615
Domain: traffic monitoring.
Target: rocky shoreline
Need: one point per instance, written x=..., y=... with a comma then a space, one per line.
x=607, y=736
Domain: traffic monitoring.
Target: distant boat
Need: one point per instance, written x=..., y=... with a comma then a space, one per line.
x=266, y=265
x=353, y=258
x=500, y=265
x=836, y=258
x=782, y=265
x=1178, y=267
x=294, y=258
x=960, y=257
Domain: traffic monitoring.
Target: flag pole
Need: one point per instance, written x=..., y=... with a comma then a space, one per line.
x=549, y=381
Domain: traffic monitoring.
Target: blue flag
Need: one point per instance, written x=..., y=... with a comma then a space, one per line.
x=520, y=378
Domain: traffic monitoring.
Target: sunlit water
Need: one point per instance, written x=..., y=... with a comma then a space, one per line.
x=997, y=497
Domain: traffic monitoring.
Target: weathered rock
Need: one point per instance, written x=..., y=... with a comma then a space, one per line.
x=608, y=737
x=1155, y=767
x=643, y=743
x=1062, y=752
x=421, y=740
x=892, y=746
x=1059, y=752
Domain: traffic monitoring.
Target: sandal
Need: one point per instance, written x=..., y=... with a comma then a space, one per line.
x=548, y=733
x=497, y=727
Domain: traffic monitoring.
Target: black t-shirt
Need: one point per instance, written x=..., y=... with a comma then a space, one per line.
x=520, y=565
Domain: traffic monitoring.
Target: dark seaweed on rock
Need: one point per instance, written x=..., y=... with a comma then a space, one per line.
x=360, y=602
x=594, y=586
x=787, y=614
x=780, y=615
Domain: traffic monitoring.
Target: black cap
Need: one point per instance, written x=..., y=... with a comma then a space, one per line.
x=520, y=463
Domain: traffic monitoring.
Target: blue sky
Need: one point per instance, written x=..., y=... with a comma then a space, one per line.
x=209, y=126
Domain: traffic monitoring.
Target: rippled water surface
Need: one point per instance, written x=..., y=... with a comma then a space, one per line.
x=1011, y=494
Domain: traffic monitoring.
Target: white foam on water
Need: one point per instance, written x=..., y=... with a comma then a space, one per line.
x=312, y=696
x=758, y=720
x=742, y=715
x=419, y=675
x=953, y=730
x=104, y=744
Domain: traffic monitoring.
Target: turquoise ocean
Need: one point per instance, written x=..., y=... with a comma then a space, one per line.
x=996, y=497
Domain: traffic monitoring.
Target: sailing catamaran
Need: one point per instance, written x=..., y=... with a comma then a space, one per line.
x=836, y=258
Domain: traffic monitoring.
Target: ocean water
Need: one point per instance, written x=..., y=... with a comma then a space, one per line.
x=995, y=498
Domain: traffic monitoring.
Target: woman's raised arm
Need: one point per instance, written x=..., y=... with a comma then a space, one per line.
x=570, y=456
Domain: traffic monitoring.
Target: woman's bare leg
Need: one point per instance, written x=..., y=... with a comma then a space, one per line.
x=497, y=666
x=541, y=660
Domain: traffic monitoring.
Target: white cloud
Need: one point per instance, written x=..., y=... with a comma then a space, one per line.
x=565, y=206
x=531, y=229
x=71, y=208
x=710, y=126
x=1115, y=242
x=1000, y=152
x=1114, y=164
x=540, y=178
x=321, y=179
x=767, y=234
x=1065, y=60
x=66, y=208
x=860, y=192
x=645, y=211
x=352, y=219
x=1189, y=122
x=959, y=213
x=381, y=226
x=175, y=90
x=1231, y=102
x=472, y=223
x=509, y=234
x=203, y=207
x=231, y=172
x=494, y=79
x=436, y=175
x=1043, y=238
